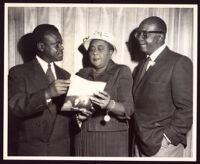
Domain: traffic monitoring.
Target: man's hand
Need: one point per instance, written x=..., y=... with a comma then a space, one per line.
x=57, y=88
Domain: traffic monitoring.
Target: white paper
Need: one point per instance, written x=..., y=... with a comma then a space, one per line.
x=80, y=86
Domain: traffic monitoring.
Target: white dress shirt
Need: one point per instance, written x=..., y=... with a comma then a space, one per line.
x=44, y=66
x=154, y=55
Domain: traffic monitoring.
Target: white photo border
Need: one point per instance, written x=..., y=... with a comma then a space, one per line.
x=5, y=116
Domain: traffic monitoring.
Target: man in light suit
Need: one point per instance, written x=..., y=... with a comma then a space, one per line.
x=162, y=94
x=37, y=90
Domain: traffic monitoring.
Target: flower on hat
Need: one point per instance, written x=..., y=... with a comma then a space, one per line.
x=101, y=35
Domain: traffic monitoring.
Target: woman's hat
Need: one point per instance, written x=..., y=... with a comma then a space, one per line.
x=101, y=36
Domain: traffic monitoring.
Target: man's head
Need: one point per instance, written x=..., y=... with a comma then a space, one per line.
x=48, y=43
x=151, y=34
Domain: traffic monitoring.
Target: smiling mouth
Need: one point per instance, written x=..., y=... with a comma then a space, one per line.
x=96, y=59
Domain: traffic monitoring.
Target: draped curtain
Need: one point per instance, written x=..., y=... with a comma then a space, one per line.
x=76, y=23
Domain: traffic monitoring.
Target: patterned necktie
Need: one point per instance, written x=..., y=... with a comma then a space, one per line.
x=51, y=78
x=49, y=74
x=144, y=67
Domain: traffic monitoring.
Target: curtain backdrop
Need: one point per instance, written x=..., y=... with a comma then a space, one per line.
x=76, y=23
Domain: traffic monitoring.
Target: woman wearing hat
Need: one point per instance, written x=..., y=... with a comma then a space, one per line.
x=105, y=131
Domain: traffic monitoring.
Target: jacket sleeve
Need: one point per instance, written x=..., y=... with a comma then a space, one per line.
x=124, y=92
x=182, y=94
x=21, y=102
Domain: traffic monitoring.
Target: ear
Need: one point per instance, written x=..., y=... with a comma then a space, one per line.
x=111, y=52
x=161, y=37
x=40, y=46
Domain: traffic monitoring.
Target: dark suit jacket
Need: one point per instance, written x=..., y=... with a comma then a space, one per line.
x=163, y=101
x=40, y=132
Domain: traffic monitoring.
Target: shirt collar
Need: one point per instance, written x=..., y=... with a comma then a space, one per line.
x=156, y=53
x=44, y=65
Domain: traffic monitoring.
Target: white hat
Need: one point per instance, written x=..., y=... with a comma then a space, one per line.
x=101, y=36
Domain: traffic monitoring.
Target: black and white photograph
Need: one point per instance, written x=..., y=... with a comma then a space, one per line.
x=111, y=82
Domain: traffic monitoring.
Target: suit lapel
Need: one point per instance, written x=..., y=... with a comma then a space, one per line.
x=152, y=69
x=137, y=81
x=38, y=76
x=39, y=82
x=61, y=74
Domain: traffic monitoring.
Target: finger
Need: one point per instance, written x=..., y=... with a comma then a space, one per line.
x=61, y=88
x=85, y=111
x=94, y=100
x=60, y=92
x=88, y=113
x=82, y=117
x=104, y=93
x=75, y=108
x=100, y=95
x=68, y=81
x=62, y=82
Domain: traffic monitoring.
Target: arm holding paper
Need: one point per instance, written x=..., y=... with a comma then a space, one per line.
x=79, y=95
x=103, y=99
x=83, y=93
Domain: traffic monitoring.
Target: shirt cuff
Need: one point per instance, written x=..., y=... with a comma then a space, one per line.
x=167, y=138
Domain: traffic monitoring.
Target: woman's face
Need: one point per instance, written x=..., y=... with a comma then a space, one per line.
x=100, y=53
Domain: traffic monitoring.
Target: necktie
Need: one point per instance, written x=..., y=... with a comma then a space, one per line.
x=49, y=74
x=51, y=78
x=144, y=67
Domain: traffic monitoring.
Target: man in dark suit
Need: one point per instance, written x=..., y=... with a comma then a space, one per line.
x=37, y=91
x=162, y=94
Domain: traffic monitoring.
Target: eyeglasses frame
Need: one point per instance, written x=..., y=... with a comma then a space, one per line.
x=144, y=33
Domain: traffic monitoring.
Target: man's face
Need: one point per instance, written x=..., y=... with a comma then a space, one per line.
x=99, y=53
x=53, y=49
x=149, y=42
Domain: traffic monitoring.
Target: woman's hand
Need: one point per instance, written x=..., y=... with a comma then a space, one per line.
x=85, y=112
x=101, y=99
x=67, y=106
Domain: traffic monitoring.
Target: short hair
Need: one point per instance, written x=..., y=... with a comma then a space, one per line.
x=158, y=21
x=41, y=30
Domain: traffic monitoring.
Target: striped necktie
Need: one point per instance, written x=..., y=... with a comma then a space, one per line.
x=144, y=67
x=50, y=74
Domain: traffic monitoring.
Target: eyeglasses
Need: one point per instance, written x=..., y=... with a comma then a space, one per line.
x=146, y=34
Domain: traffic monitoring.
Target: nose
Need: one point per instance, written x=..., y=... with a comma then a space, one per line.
x=61, y=47
x=94, y=52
